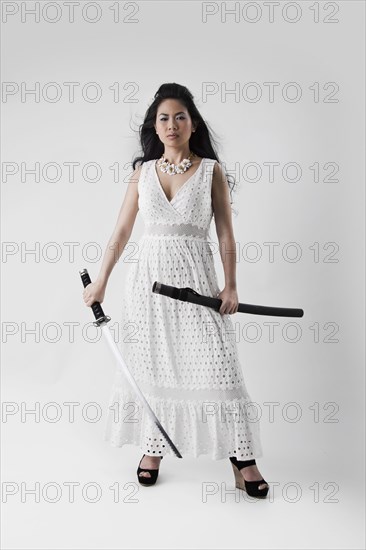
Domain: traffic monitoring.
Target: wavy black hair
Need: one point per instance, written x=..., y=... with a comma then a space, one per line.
x=200, y=141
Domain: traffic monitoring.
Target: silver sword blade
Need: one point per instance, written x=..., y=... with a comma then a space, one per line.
x=128, y=375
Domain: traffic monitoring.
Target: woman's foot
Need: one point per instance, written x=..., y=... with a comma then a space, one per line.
x=251, y=473
x=248, y=477
x=151, y=463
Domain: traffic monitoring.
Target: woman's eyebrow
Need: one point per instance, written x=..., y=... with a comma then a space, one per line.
x=180, y=113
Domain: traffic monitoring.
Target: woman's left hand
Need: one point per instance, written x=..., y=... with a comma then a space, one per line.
x=230, y=301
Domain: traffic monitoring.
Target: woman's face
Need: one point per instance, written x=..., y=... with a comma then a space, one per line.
x=172, y=117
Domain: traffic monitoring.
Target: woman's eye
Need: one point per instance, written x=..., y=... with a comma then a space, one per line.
x=163, y=119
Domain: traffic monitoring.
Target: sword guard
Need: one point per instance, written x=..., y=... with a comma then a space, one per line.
x=100, y=320
x=184, y=291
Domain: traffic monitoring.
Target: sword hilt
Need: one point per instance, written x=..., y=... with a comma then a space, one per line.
x=96, y=307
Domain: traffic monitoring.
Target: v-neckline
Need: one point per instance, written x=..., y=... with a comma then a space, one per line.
x=180, y=188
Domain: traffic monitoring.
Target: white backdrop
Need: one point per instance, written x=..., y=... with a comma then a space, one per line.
x=284, y=87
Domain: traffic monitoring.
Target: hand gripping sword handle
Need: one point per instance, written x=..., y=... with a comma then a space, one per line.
x=96, y=307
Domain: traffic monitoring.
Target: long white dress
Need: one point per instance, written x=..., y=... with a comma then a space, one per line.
x=183, y=356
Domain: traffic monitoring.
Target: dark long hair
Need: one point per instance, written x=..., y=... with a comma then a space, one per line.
x=200, y=141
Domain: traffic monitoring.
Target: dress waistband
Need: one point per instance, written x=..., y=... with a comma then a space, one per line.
x=180, y=229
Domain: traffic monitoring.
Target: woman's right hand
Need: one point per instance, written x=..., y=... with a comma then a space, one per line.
x=94, y=292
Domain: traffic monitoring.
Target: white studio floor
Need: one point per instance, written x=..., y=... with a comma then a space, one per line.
x=193, y=505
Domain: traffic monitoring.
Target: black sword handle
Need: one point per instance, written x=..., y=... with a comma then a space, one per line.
x=96, y=307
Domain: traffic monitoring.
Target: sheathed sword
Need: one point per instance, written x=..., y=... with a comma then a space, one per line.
x=101, y=321
x=189, y=295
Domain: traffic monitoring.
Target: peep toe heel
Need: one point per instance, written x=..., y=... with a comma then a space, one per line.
x=147, y=481
x=251, y=487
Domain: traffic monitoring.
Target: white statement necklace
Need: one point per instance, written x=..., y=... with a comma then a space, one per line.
x=171, y=168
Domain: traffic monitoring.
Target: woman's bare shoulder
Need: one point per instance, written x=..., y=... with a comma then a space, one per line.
x=138, y=169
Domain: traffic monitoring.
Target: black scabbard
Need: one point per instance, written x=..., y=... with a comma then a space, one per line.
x=189, y=295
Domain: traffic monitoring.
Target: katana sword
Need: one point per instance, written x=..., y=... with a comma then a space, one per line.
x=101, y=321
x=189, y=295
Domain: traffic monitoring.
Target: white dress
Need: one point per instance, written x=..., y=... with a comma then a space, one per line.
x=183, y=356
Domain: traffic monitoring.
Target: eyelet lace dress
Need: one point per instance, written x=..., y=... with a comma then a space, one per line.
x=183, y=356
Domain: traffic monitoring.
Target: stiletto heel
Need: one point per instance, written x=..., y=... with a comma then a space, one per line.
x=251, y=487
x=147, y=481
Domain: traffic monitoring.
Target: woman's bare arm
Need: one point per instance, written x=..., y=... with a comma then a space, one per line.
x=123, y=228
x=224, y=228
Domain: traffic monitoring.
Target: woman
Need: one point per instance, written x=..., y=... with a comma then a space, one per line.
x=181, y=355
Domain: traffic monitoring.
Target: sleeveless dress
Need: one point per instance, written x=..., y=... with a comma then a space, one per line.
x=183, y=356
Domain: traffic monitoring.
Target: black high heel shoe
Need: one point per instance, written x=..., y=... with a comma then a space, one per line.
x=147, y=481
x=251, y=487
